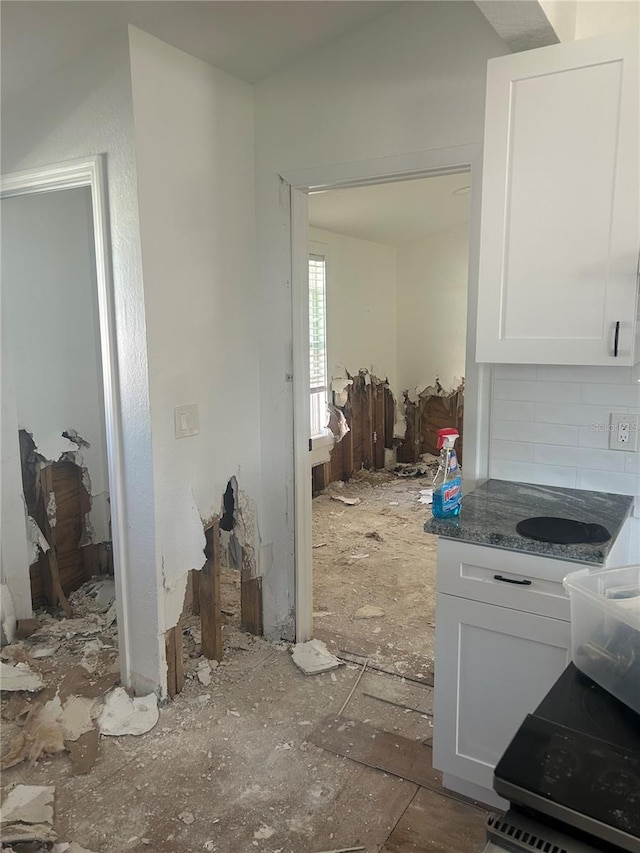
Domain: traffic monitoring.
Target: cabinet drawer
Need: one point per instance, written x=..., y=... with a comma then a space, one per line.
x=525, y=582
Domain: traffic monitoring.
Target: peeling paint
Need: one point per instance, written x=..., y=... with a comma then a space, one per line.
x=73, y=436
x=175, y=592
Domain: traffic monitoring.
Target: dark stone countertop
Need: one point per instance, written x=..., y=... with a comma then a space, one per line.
x=489, y=515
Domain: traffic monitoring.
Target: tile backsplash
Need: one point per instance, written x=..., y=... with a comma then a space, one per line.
x=550, y=425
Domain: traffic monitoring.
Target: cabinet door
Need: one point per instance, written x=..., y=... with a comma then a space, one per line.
x=494, y=666
x=559, y=229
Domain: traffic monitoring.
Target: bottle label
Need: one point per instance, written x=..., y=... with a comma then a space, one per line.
x=447, y=498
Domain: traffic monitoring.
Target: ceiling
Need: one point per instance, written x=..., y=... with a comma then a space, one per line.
x=394, y=213
x=247, y=38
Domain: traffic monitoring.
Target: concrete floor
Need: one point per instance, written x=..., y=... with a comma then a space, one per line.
x=230, y=767
x=236, y=757
x=376, y=553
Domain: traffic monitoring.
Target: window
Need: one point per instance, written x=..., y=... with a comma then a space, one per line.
x=318, y=343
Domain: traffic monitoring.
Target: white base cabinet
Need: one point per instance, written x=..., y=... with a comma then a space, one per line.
x=502, y=639
x=494, y=665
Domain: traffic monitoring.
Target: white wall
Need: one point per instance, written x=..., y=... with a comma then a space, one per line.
x=433, y=281
x=593, y=19
x=194, y=145
x=361, y=304
x=50, y=320
x=410, y=81
x=83, y=109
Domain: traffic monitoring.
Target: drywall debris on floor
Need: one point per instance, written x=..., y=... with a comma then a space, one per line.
x=123, y=715
x=27, y=814
x=425, y=496
x=7, y=616
x=65, y=847
x=368, y=611
x=41, y=735
x=19, y=677
x=313, y=657
x=346, y=501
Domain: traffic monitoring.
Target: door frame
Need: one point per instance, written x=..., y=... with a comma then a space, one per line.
x=90, y=172
x=439, y=161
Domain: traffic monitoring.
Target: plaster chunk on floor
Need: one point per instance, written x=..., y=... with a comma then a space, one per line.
x=123, y=715
x=74, y=717
x=313, y=657
x=19, y=677
x=27, y=814
x=368, y=611
x=72, y=847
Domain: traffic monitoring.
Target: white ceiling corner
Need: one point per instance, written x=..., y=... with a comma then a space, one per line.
x=521, y=24
x=393, y=213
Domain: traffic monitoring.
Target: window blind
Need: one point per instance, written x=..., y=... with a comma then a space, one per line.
x=317, y=324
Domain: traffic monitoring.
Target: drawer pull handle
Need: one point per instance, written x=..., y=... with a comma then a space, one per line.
x=511, y=580
x=616, y=338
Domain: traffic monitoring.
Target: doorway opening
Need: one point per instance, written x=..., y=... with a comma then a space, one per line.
x=387, y=348
x=62, y=544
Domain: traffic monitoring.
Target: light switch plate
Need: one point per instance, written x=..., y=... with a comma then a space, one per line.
x=186, y=420
x=623, y=431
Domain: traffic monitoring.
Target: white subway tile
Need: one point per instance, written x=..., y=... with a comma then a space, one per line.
x=528, y=472
x=590, y=437
x=513, y=410
x=514, y=371
x=576, y=415
x=611, y=395
x=562, y=392
x=513, y=451
x=605, y=481
x=581, y=373
x=510, y=389
x=579, y=457
x=535, y=432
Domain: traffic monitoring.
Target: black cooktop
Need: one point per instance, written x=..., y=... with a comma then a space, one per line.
x=577, y=759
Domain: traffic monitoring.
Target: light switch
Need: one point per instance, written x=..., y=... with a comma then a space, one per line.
x=186, y=420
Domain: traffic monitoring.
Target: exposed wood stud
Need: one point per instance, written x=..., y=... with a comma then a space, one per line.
x=210, y=598
x=195, y=591
x=60, y=597
x=251, y=604
x=175, y=664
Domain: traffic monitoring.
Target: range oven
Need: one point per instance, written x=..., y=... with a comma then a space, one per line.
x=571, y=774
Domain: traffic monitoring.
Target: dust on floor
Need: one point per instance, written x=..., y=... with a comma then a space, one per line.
x=374, y=571
x=231, y=767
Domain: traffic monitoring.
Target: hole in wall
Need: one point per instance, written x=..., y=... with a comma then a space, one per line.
x=230, y=556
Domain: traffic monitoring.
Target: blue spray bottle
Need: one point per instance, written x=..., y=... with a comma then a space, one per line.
x=447, y=484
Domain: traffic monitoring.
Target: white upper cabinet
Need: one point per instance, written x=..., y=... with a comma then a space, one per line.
x=560, y=228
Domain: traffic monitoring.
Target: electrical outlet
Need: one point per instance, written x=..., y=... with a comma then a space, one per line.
x=623, y=432
x=186, y=420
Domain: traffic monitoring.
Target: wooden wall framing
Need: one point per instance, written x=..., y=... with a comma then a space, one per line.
x=425, y=418
x=370, y=415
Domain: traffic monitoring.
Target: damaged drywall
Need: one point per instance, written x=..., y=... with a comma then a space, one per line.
x=59, y=503
x=230, y=540
x=373, y=428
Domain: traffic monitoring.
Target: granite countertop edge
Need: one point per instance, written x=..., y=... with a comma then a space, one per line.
x=494, y=508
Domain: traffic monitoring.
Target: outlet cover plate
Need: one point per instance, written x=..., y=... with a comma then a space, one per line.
x=186, y=420
x=623, y=432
